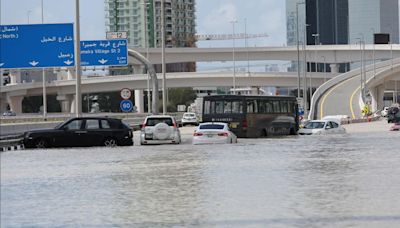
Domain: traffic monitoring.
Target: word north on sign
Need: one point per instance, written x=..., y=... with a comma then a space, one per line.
x=36, y=46
x=104, y=53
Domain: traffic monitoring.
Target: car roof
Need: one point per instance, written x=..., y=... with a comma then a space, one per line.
x=159, y=116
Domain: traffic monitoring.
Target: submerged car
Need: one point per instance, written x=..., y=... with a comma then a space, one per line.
x=322, y=127
x=189, y=118
x=160, y=129
x=213, y=133
x=82, y=132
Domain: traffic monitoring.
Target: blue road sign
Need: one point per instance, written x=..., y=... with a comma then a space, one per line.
x=126, y=105
x=36, y=46
x=104, y=53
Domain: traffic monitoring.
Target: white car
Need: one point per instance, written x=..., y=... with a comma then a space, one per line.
x=159, y=129
x=322, y=127
x=213, y=133
x=189, y=118
x=384, y=111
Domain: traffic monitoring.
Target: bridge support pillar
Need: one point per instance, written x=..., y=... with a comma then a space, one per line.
x=15, y=103
x=138, y=69
x=65, y=103
x=334, y=68
x=3, y=104
x=139, y=101
x=15, y=77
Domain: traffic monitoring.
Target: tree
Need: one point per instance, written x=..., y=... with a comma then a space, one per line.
x=180, y=96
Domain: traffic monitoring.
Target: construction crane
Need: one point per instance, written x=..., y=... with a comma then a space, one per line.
x=202, y=37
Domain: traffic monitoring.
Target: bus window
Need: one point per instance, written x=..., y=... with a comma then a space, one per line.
x=228, y=107
x=284, y=106
x=277, y=108
x=207, y=107
x=261, y=106
x=252, y=106
x=219, y=107
x=212, y=109
x=269, y=107
x=237, y=107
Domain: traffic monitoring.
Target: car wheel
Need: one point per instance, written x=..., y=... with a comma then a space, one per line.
x=41, y=143
x=110, y=142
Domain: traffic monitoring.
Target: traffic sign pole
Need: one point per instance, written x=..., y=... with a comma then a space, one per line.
x=78, y=95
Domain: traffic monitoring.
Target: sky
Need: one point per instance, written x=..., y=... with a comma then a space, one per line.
x=213, y=17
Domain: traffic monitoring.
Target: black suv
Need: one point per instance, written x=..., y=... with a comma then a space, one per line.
x=82, y=132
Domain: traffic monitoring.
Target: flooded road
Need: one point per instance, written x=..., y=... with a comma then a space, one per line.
x=350, y=180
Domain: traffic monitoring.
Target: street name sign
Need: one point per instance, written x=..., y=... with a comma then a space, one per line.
x=36, y=46
x=104, y=53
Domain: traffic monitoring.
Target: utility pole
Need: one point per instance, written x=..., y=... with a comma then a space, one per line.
x=164, y=92
x=298, y=49
x=233, y=55
x=145, y=4
x=44, y=78
x=78, y=95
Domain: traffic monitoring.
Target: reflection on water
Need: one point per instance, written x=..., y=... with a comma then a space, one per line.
x=335, y=181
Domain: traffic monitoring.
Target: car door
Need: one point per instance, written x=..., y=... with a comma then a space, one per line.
x=94, y=135
x=69, y=134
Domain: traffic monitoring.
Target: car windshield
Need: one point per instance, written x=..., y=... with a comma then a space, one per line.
x=211, y=127
x=314, y=125
x=154, y=121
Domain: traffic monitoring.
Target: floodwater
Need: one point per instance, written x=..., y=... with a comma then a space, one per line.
x=350, y=180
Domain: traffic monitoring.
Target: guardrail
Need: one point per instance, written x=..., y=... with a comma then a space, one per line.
x=11, y=142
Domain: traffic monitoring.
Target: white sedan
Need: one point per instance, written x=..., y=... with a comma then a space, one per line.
x=213, y=133
x=322, y=127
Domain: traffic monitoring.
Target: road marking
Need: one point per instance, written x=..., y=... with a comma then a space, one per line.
x=351, y=101
x=327, y=94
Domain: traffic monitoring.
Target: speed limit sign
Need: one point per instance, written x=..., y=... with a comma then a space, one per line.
x=126, y=93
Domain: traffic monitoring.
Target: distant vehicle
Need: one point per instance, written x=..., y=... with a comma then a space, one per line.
x=253, y=116
x=393, y=115
x=189, y=118
x=82, y=132
x=213, y=133
x=9, y=113
x=159, y=129
x=395, y=127
x=384, y=111
x=322, y=127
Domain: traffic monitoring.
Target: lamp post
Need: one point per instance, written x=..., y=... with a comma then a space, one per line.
x=373, y=50
x=44, y=78
x=361, y=40
x=324, y=68
x=145, y=4
x=27, y=15
x=164, y=92
x=316, y=38
x=233, y=55
x=305, y=71
x=246, y=44
x=78, y=95
x=391, y=55
x=298, y=48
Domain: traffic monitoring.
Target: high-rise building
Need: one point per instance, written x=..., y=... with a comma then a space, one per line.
x=373, y=16
x=343, y=21
x=131, y=16
x=141, y=19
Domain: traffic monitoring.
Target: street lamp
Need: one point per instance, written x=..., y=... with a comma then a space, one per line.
x=361, y=65
x=164, y=92
x=233, y=55
x=145, y=4
x=305, y=71
x=373, y=50
x=78, y=95
x=298, y=48
x=324, y=68
x=27, y=15
x=316, y=38
x=246, y=44
x=44, y=76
